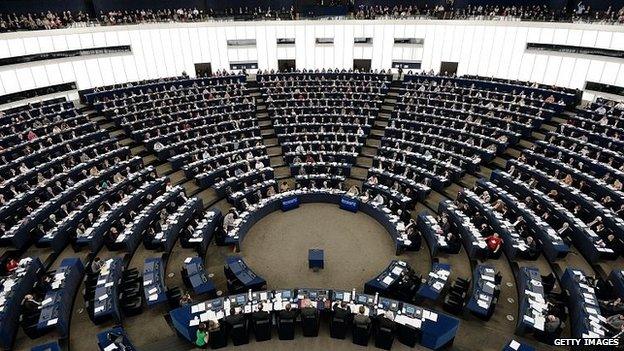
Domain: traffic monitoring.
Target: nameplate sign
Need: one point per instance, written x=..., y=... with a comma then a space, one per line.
x=290, y=203
x=349, y=204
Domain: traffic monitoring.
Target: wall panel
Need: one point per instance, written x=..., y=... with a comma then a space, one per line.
x=486, y=48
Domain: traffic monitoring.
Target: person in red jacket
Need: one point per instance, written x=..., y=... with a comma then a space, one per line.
x=11, y=265
x=494, y=243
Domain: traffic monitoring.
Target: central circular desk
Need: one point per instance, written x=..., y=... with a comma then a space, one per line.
x=292, y=199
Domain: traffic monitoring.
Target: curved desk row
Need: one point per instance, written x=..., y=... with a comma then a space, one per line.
x=433, y=330
x=203, y=233
x=240, y=277
x=114, y=339
x=14, y=288
x=154, y=287
x=383, y=215
x=57, y=306
x=397, y=281
x=106, y=299
x=194, y=276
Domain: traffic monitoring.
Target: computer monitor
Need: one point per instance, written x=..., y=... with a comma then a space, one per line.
x=362, y=299
x=240, y=299
x=313, y=295
x=409, y=310
x=338, y=296
x=286, y=294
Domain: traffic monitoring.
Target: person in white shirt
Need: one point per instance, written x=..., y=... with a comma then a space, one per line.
x=158, y=146
x=353, y=191
x=228, y=220
x=378, y=200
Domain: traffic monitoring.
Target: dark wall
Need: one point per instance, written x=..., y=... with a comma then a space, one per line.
x=274, y=4
x=109, y=5
x=24, y=6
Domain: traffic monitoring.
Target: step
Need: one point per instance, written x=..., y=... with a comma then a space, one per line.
x=108, y=125
x=265, y=124
x=282, y=172
x=126, y=142
x=177, y=177
x=274, y=151
x=164, y=169
x=373, y=143
x=138, y=150
x=149, y=159
x=363, y=161
x=117, y=133
x=277, y=161
x=360, y=173
x=270, y=142
x=267, y=133
x=190, y=187
x=538, y=135
x=208, y=196
x=369, y=151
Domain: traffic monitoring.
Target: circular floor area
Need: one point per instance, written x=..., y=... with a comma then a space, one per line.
x=357, y=247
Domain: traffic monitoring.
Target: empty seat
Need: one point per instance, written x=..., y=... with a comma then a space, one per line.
x=286, y=329
x=361, y=334
x=338, y=328
x=262, y=329
x=240, y=334
x=384, y=338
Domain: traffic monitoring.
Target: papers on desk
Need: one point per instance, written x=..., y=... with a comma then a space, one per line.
x=103, y=297
x=99, y=309
x=153, y=297
x=194, y=322
x=388, y=280
x=405, y=320
x=152, y=291
x=513, y=344
x=188, y=259
x=198, y=308
x=397, y=270
x=110, y=347
x=46, y=301
x=52, y=322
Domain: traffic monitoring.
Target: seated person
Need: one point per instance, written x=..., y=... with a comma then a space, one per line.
x=552, y=324
x=234, y=318
x=616, y=322
x=611, y=307
x=533, y=248
x=494, y=243
x=353, y=191
x=361, y=319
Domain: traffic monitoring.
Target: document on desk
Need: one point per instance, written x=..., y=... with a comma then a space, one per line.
x=194, y=322
x=188, y=259
x=397, y=270
x=103, y=297
x=200, y=307
x=111, y=347
x=153, y=297
x=203, y=317
x=514, y=344
x=388, y=280
x=52, y=321
x=46, y=301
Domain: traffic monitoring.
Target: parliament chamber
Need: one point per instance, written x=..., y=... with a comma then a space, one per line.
x=300, y=175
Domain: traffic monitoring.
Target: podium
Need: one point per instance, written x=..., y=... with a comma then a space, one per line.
x=316, y=259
